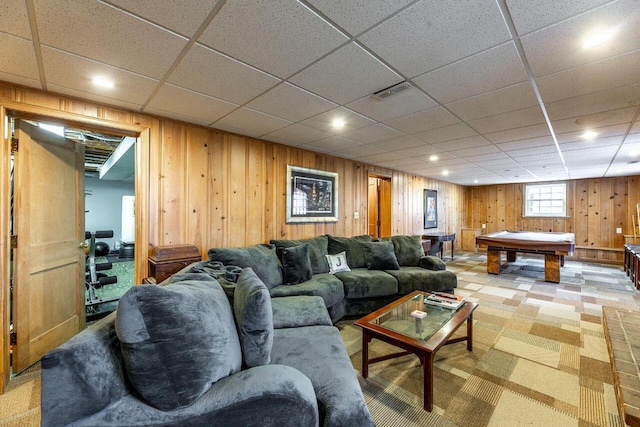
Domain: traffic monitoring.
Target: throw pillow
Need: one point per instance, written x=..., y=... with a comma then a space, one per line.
x=252, y=308
x=296, y=264
x=262, y=258
x=352, y=246
x=380, y=256
x=177, y=340
x=317, y=251
x=337, y=262
x=408, y=249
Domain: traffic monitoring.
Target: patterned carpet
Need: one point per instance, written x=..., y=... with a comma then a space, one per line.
x=539, y=353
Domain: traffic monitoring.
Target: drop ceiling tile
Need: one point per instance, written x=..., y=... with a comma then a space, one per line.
x=18, y=79
x=399, y=143
x=279, y=36
x=172, y=14
x=447, y=133
x=630, y=151
x=499, y=101
x=64, y=90
x=177, y=116
x=203, y=108
x=355, y=16
x=601, y=132
x=382, y=157
x=636, y=127
x=76, y=73
x=346, y=75
x=331, y=144
x=483, y=72
x=596, y=120
x=599, y=142
x=403, y=103
x=512, y=120
x=401, y=163
x=296, y=134
x=324, y=121
x=18, y=58
x=290, y=102
x=421, y=121
x=429, y=35
x=590, y=156
x=526, y=143
x=590, y=172
x=422, y=151
x=597, y=76
x=227, y=72
x=463, y=143
x=107, y=35
x=470, y=153
x=373, y=133
x=532, y=151
x=497, y=156
x=595, y=103
x=559, y=46
x=530, y=16
x=254, y=123
x=17, y=21
x=453, y=163
x=524, y=132
x=358, y=152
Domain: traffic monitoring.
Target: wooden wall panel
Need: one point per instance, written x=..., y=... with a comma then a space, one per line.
x=595, y=208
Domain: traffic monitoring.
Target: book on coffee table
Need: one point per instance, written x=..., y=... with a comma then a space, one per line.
x=441, y=299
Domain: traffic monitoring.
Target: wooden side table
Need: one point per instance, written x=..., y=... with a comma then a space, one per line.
x=437, y=240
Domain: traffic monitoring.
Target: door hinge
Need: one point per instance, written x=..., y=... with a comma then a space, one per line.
x=14, y=144
x=13, y=338
x=14, y=241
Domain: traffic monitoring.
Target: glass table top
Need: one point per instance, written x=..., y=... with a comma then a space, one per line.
x=399, y=319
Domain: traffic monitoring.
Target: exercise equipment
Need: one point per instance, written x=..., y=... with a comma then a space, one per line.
x=93, y=279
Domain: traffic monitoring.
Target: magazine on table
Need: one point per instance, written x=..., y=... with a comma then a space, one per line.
x=442, y=299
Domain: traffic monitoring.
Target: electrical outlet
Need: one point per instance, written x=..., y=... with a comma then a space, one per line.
x=619, y=230
x=484, y=225
x=356, y=215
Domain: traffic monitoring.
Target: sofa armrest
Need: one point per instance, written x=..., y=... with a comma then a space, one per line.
x=268, y=395
x=432, y=263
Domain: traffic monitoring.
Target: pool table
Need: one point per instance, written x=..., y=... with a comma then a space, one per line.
x=554, y=247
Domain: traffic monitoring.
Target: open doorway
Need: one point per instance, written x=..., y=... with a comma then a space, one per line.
x=379, y=209
x=106, y=184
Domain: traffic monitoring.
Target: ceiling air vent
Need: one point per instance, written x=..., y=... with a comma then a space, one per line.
x=391, y=90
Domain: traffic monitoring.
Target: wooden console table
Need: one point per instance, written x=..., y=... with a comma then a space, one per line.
x=437, y=240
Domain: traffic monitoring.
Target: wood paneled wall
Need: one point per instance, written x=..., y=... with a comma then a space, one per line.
x=595, y=208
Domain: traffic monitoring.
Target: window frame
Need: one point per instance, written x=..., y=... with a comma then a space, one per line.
x=538, y=214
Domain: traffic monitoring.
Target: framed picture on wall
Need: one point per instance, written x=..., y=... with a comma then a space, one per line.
x=430, y=209
x=312, y=195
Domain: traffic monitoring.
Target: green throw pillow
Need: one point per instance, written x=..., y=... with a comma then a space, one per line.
x=380, y=256
x=296, y=264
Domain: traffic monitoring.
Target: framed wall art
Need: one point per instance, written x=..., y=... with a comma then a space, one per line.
x=430, y=209
x=312, y=195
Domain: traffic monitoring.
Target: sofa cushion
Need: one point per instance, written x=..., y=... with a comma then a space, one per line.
x=177, y=340
x=380, y=256
x=352, y=246
x=254, y=317
x=297, y=311
x=296, y=267
x=337, y=262
x=364, y=283
x=262, y=258
x=325, y=285
x=319, y=353
x=408, y=249
x=317, y=251
x=419, y=279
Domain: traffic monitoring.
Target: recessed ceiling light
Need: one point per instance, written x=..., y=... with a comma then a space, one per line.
x=445, y=172
x=433, y=158
x=102, y=82
x=589, y=134
x=634, y=153
x=597, y=39
x=337, y=123
x=475, y=181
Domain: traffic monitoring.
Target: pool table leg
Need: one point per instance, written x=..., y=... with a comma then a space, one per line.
x=552, y=268
x=511, y=256
x=493, y=261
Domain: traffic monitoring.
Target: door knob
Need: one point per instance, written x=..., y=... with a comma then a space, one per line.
x=84, y=245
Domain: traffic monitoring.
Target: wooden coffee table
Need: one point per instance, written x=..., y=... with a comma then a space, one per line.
x=394, y=325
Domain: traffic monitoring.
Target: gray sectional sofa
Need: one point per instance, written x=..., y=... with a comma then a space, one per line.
x=243, y=339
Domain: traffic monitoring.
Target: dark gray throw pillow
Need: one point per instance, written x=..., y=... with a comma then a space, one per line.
x=262, y=258
x=254, y=317
x=296, y=264
x=380, y=256
x=177, y=340
x=317, y=250
x=352, y=246
x=408, y=249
